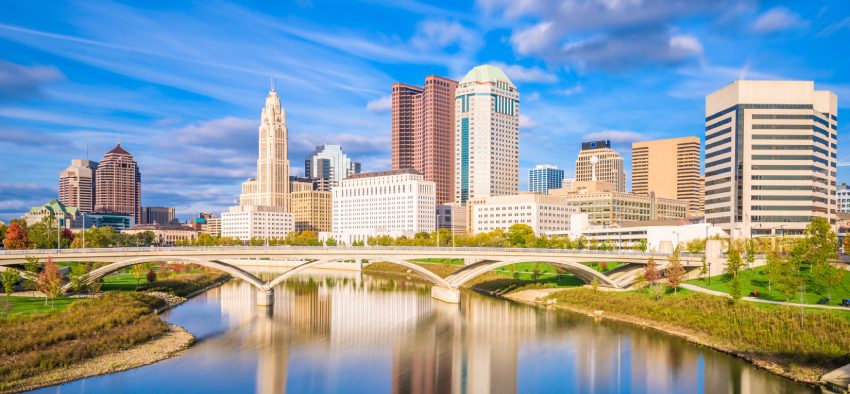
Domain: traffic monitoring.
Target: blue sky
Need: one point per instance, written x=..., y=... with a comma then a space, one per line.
x=184, y=82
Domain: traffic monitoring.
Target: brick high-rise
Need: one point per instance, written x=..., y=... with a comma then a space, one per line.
x=119, y=184
x=423, y=131
x=77, y=185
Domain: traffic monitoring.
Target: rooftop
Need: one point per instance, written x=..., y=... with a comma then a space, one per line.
x=384, y=173
x=486, y=73
x=119, y=150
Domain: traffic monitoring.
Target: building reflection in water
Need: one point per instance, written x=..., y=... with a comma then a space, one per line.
x=483, y=345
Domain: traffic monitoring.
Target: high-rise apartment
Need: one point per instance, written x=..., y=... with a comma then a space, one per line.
x=77, y=185
x=331, y=163
x=670, y=168
x=598, y=162
x=158, y=215
x=263, y=210
x=119, y=184
x=486, y=135
x=423, y=131
x=770, y=157
x=543, y=177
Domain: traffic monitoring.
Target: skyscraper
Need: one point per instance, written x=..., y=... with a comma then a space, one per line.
x=331, y=163
x=543, y=177
x=770, y=157
x=263, y=210
x=77, y=185
x=271, y=186
x=486, y=135
x=158, y=215
x=608, y=166
x=670, y=168
x=423, y=131
x=119, y=184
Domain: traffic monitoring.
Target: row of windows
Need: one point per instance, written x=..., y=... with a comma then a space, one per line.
x=718, y=143
x=720, y=123
x=757, y=106
x=718, y=171
x=718, y=162
x=717, y=181
x=718, y=152
x=717, y=134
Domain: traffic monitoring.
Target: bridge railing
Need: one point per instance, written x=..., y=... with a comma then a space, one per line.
x=622, y=252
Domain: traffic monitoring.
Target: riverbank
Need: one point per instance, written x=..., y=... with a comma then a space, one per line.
x=110, y=343
x=804, y=364
x=170, y=344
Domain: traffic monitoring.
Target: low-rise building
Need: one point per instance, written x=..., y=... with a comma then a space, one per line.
x=842, y=194
x=676, y=232
x=545, y=214
x=605, y=206
x=166, y=235
x=67, y=215
x=118, y=221
x=207, y=223
x=395, y=203
x=251, y=221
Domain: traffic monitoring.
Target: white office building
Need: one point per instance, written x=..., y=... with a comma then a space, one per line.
x=256, y=221
x=486, y=135
x=545, y=214
x=395, y=203
x=843, y=197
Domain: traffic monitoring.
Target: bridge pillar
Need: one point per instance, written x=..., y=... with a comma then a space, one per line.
x=714, y=257
x=265, y=297
x=452, y=296
x=469, y=260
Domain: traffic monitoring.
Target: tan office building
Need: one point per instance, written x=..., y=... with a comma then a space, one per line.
x=670, y=168
x=605, y=206
x=119, y=184
x=770, y=157
x=608, y=167
x=311, y=209
x=77, y=185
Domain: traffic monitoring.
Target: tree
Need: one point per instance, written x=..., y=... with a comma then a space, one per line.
x=825, y=276
x=9, y=277
x=330, y=242
x=138, y=272
x=49, y=281
x=651, y=276
x=703, y=269
x=675, y=273
x=641, y=245
x=774, y=268
x=518, y=234
x=695, y=245
x=16, y=237
x=734, y=262
x=603, y=266
x=31, y=264
x=750, y=252
x=151, y=275
x=735, y=288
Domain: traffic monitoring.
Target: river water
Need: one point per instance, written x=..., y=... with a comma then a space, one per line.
x=352, y=333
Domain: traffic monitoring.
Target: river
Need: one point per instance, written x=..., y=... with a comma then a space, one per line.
x=331, y=332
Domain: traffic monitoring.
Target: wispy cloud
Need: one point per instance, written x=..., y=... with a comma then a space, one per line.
x=775, y=20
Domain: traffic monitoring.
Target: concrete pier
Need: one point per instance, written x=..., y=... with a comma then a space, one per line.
x=265, y=297
x=452, y=296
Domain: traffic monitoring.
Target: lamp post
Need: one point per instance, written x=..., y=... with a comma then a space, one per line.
x=58, y=234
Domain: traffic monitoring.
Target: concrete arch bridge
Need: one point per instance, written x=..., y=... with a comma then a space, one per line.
x=235, y=260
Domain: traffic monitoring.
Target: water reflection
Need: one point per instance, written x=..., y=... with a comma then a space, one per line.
x=352, y=333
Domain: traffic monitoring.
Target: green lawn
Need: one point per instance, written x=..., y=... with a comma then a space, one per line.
x=121, y=281
x=756, y=278
x=440, y=261
x=25, y=306
x=611, y=265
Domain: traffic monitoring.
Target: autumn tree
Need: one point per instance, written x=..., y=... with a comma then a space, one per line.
x=9, y=278
x=16, y=237
x=49, y=281
x=151, y=275
x=675, y=273
x=138, y=272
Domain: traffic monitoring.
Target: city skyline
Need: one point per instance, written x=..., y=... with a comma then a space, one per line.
x=75, y=81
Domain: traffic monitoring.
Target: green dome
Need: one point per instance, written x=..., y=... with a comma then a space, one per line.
x=486, y=73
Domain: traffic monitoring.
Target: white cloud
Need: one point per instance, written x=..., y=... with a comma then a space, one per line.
x=534, y=39
x=775, y=20
x=572, y=90
x=526, y=122
x=518, y=73
x=381, y=104
x=686, y=43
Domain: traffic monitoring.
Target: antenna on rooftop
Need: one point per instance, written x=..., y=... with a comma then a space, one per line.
x=119, y=137
x=273, y=85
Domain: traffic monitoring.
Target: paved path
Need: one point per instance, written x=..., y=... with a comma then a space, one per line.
x=763, y=301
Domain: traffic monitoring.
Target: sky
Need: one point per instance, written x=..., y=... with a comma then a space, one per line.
x=182, y=83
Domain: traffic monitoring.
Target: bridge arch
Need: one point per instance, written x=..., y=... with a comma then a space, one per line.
x=219, y=265
x=581, y=271
x=434, y=278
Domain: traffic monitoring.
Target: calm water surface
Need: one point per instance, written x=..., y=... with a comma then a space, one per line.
x=347, y=333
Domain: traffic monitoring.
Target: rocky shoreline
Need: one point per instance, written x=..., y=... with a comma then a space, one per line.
x=536, y=297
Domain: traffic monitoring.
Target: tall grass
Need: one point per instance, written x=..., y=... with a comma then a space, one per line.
x=88, y=328
x=819, y=340
x=184, y=284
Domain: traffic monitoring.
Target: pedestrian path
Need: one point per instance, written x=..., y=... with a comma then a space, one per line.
x=754, y=299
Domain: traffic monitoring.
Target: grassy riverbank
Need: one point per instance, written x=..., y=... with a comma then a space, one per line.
x=773, y=338
x=86, y=329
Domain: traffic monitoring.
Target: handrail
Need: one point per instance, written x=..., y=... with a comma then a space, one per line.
x=623, y=252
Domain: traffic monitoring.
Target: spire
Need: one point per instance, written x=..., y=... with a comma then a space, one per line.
x=119, y=137
x=274, y=89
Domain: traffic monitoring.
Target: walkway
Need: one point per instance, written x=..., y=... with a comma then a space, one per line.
x=763, y=301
